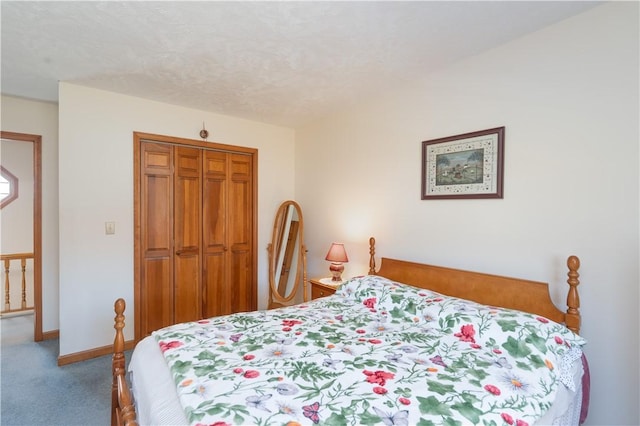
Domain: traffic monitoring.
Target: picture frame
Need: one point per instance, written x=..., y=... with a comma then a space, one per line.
x=469, y=165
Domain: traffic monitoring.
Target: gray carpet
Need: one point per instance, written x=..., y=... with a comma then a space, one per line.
x=35, y=391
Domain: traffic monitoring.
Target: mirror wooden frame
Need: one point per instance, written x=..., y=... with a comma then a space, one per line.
x=287, y=243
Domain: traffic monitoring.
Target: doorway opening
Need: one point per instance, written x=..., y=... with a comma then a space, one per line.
x=23, y=258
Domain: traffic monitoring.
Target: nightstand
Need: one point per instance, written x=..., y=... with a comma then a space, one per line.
x=320, y=289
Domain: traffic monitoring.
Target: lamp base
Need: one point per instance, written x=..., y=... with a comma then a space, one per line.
x=336, y=272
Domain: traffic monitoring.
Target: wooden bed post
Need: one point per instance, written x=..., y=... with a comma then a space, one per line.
x=372, y=254
x=572, y=320
x=122, y=409
x=117, y=361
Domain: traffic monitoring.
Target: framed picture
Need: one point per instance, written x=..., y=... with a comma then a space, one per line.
x=464, y=166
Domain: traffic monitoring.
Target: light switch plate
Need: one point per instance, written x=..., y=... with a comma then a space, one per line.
x=109, y=228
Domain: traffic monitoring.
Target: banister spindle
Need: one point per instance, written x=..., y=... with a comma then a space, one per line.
x=23, y=263
x=7, y=297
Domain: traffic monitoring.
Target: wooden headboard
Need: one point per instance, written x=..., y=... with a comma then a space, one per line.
x=493, y=290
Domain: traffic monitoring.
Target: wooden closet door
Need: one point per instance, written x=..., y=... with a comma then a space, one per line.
x=217, y=295
x=156, y=237
x=228, y=234
x=241, y=273
x=187, y=234
x=194, y=230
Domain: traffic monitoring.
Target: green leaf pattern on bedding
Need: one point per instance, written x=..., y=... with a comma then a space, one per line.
x=376, y=352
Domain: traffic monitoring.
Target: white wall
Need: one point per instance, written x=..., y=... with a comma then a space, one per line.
x=41, y=118
x=96, y=185
x=568, y=96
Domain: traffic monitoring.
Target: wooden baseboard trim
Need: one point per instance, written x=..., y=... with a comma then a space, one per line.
x=91, y=353
x=53, y=334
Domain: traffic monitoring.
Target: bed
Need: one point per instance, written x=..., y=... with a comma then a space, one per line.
x=406, y=344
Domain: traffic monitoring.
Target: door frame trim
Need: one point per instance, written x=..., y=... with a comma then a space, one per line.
x=37, y=225
x=138, y=138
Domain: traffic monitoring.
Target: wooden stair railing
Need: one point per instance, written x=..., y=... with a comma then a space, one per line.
x=7, y=259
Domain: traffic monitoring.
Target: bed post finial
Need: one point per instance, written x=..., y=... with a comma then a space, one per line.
x=372, y=254
x=119, y=308
x=572, y=320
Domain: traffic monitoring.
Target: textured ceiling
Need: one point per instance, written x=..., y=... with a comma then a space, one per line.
x=284, y=63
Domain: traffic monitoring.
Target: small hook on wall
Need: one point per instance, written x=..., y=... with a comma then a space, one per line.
x=204, y=134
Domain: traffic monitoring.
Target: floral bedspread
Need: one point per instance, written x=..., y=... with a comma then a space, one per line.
x=376, y=352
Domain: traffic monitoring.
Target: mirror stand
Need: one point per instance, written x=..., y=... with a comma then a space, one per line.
x=287, y=257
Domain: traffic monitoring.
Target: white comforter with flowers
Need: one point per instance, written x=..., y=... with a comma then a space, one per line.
x=376, y=352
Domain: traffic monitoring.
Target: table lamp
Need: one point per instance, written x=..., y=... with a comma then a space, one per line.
x=337, y=256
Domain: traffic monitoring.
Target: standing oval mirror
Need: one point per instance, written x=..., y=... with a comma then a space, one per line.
x=287, y=257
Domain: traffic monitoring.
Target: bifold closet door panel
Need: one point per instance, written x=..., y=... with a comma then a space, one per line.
x=187, y=234
x=156, y=237
x=217, y=293
x=241, y=233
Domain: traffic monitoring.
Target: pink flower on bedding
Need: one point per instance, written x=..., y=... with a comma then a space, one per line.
x=437, y=360
x=521, y=423
x=492, y=389
x=466, y=333
x=542, y=320
x=378, y=377
x=165, y=346
x=507, y=418
x=404, y=401
x=558, y=340
x=291, y=322
x=370, y=302
x=251, y=374
x=379, y=390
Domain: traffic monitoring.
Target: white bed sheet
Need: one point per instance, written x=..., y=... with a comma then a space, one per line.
x=157, y=402
x=153, y=389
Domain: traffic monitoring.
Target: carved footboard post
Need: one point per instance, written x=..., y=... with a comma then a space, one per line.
x=117, y=362
x=122, y=409
x=572, y=318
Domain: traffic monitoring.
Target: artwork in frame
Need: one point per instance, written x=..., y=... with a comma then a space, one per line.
x=469, y=165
